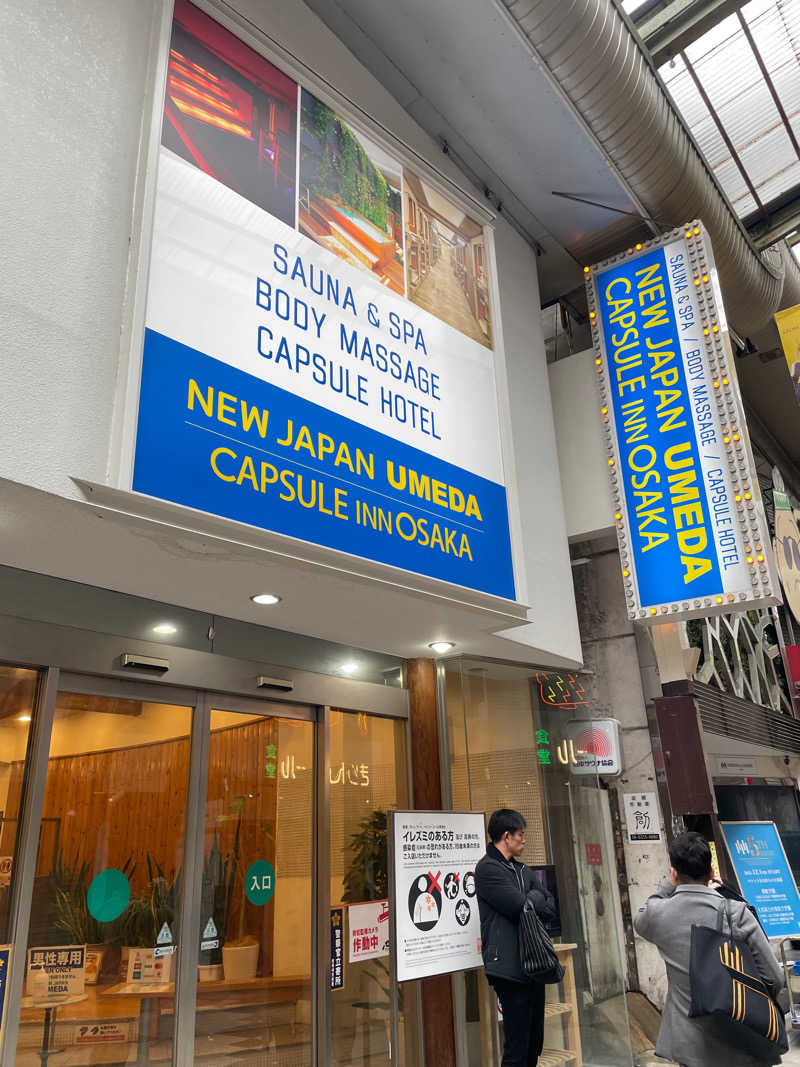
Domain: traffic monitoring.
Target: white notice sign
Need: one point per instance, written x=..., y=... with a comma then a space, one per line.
x=437, y=927
x=369, y=930
x=642, y=817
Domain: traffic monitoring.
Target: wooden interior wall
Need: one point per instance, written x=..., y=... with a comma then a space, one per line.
x=104, y=808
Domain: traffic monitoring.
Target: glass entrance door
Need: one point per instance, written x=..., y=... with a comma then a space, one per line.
x=254, y=992
x=105, y=905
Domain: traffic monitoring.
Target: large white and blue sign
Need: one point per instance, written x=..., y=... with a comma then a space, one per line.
x=295, y=376
x=689, y=516
x=764, y=875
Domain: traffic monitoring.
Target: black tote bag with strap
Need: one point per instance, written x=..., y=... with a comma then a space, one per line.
x=726, y=985
x=537, y=956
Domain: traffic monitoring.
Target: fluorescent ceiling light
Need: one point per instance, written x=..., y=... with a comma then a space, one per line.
x=440, y=647
x=265, y=598
x=165, y=628
x=349, y=667
x=23, y=718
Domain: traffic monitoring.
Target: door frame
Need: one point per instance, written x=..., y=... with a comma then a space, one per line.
x=201, y=702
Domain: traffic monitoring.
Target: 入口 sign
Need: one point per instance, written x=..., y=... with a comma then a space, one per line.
x=437, y=927
x=692, y=535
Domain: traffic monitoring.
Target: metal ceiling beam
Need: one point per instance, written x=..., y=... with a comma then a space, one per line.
x=724, y=134
x=778, y=224
x=770, y=84
x=670, y=30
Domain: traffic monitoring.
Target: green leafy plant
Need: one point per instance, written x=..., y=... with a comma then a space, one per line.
x=367, y=874
x=367, y=878
x=219, y=880
x=146, y=913
x=69, y=904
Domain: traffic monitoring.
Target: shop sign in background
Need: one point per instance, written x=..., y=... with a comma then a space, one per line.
x=764, y=875
x=690, y=522
x=295, y=376
x=437, y=927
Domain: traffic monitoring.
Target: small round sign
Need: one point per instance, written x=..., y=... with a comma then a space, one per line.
x=259, y=883
x=108, y=895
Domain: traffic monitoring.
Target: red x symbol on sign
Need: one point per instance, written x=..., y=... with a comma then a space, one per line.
x=433, y=883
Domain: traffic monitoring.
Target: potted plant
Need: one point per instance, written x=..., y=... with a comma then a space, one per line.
x=367, y=878
x=139, y=926
x=71, y=916
x=216, y=896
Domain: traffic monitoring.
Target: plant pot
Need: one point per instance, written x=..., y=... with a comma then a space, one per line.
x=240, y=962
x=95, y=954
x=211, y=972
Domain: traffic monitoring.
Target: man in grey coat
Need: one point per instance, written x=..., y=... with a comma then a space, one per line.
x=688, y=898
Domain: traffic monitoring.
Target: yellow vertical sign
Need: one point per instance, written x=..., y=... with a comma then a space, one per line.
x=788, y=323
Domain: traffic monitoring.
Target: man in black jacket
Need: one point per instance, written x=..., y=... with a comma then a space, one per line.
x=503, y=885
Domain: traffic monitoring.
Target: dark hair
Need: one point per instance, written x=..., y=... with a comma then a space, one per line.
x=506, y=820
x=690, y=855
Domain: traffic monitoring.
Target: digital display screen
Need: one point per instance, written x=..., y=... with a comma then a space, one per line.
x=546, y=877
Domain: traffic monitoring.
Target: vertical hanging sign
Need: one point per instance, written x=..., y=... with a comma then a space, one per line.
x=692, y=533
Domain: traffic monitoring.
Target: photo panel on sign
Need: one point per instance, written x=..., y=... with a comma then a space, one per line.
x=446, y=265
x=350, y=195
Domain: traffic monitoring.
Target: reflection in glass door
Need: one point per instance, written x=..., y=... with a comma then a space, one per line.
x=254, y=975
x=367, y=776
x=99, y=985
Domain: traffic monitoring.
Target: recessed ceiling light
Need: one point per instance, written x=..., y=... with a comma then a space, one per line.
x=23, y=718
x=265, y=598
x=349, y=667
x=165, y=628
x=440, y=647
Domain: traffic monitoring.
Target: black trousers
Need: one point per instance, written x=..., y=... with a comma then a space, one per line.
x=523, y=1021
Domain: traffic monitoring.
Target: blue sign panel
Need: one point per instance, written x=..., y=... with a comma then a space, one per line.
x=337, y=948
x=5, y=956
x=692, y=535
x=671, y=533
x=215, y=438
x=764, y=875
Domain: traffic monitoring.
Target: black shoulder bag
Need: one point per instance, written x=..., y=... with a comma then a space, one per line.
x=726, y=985
x=536, y=953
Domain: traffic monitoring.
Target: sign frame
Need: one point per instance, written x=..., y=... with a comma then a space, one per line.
x=397, y=964
x=744, y=520
x=126, y=413
x=786, y=874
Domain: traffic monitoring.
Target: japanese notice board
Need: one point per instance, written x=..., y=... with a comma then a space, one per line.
x=437, y=927
x=297, y=375
x=764, y=875
x=693, y=538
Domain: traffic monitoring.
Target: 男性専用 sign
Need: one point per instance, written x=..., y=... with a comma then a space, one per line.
x=300, y=374
x=437, y=926
x=764, y=875
x=56, y=973
x=692, y=534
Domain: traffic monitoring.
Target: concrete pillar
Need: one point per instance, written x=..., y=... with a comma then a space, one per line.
x=616, y=690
